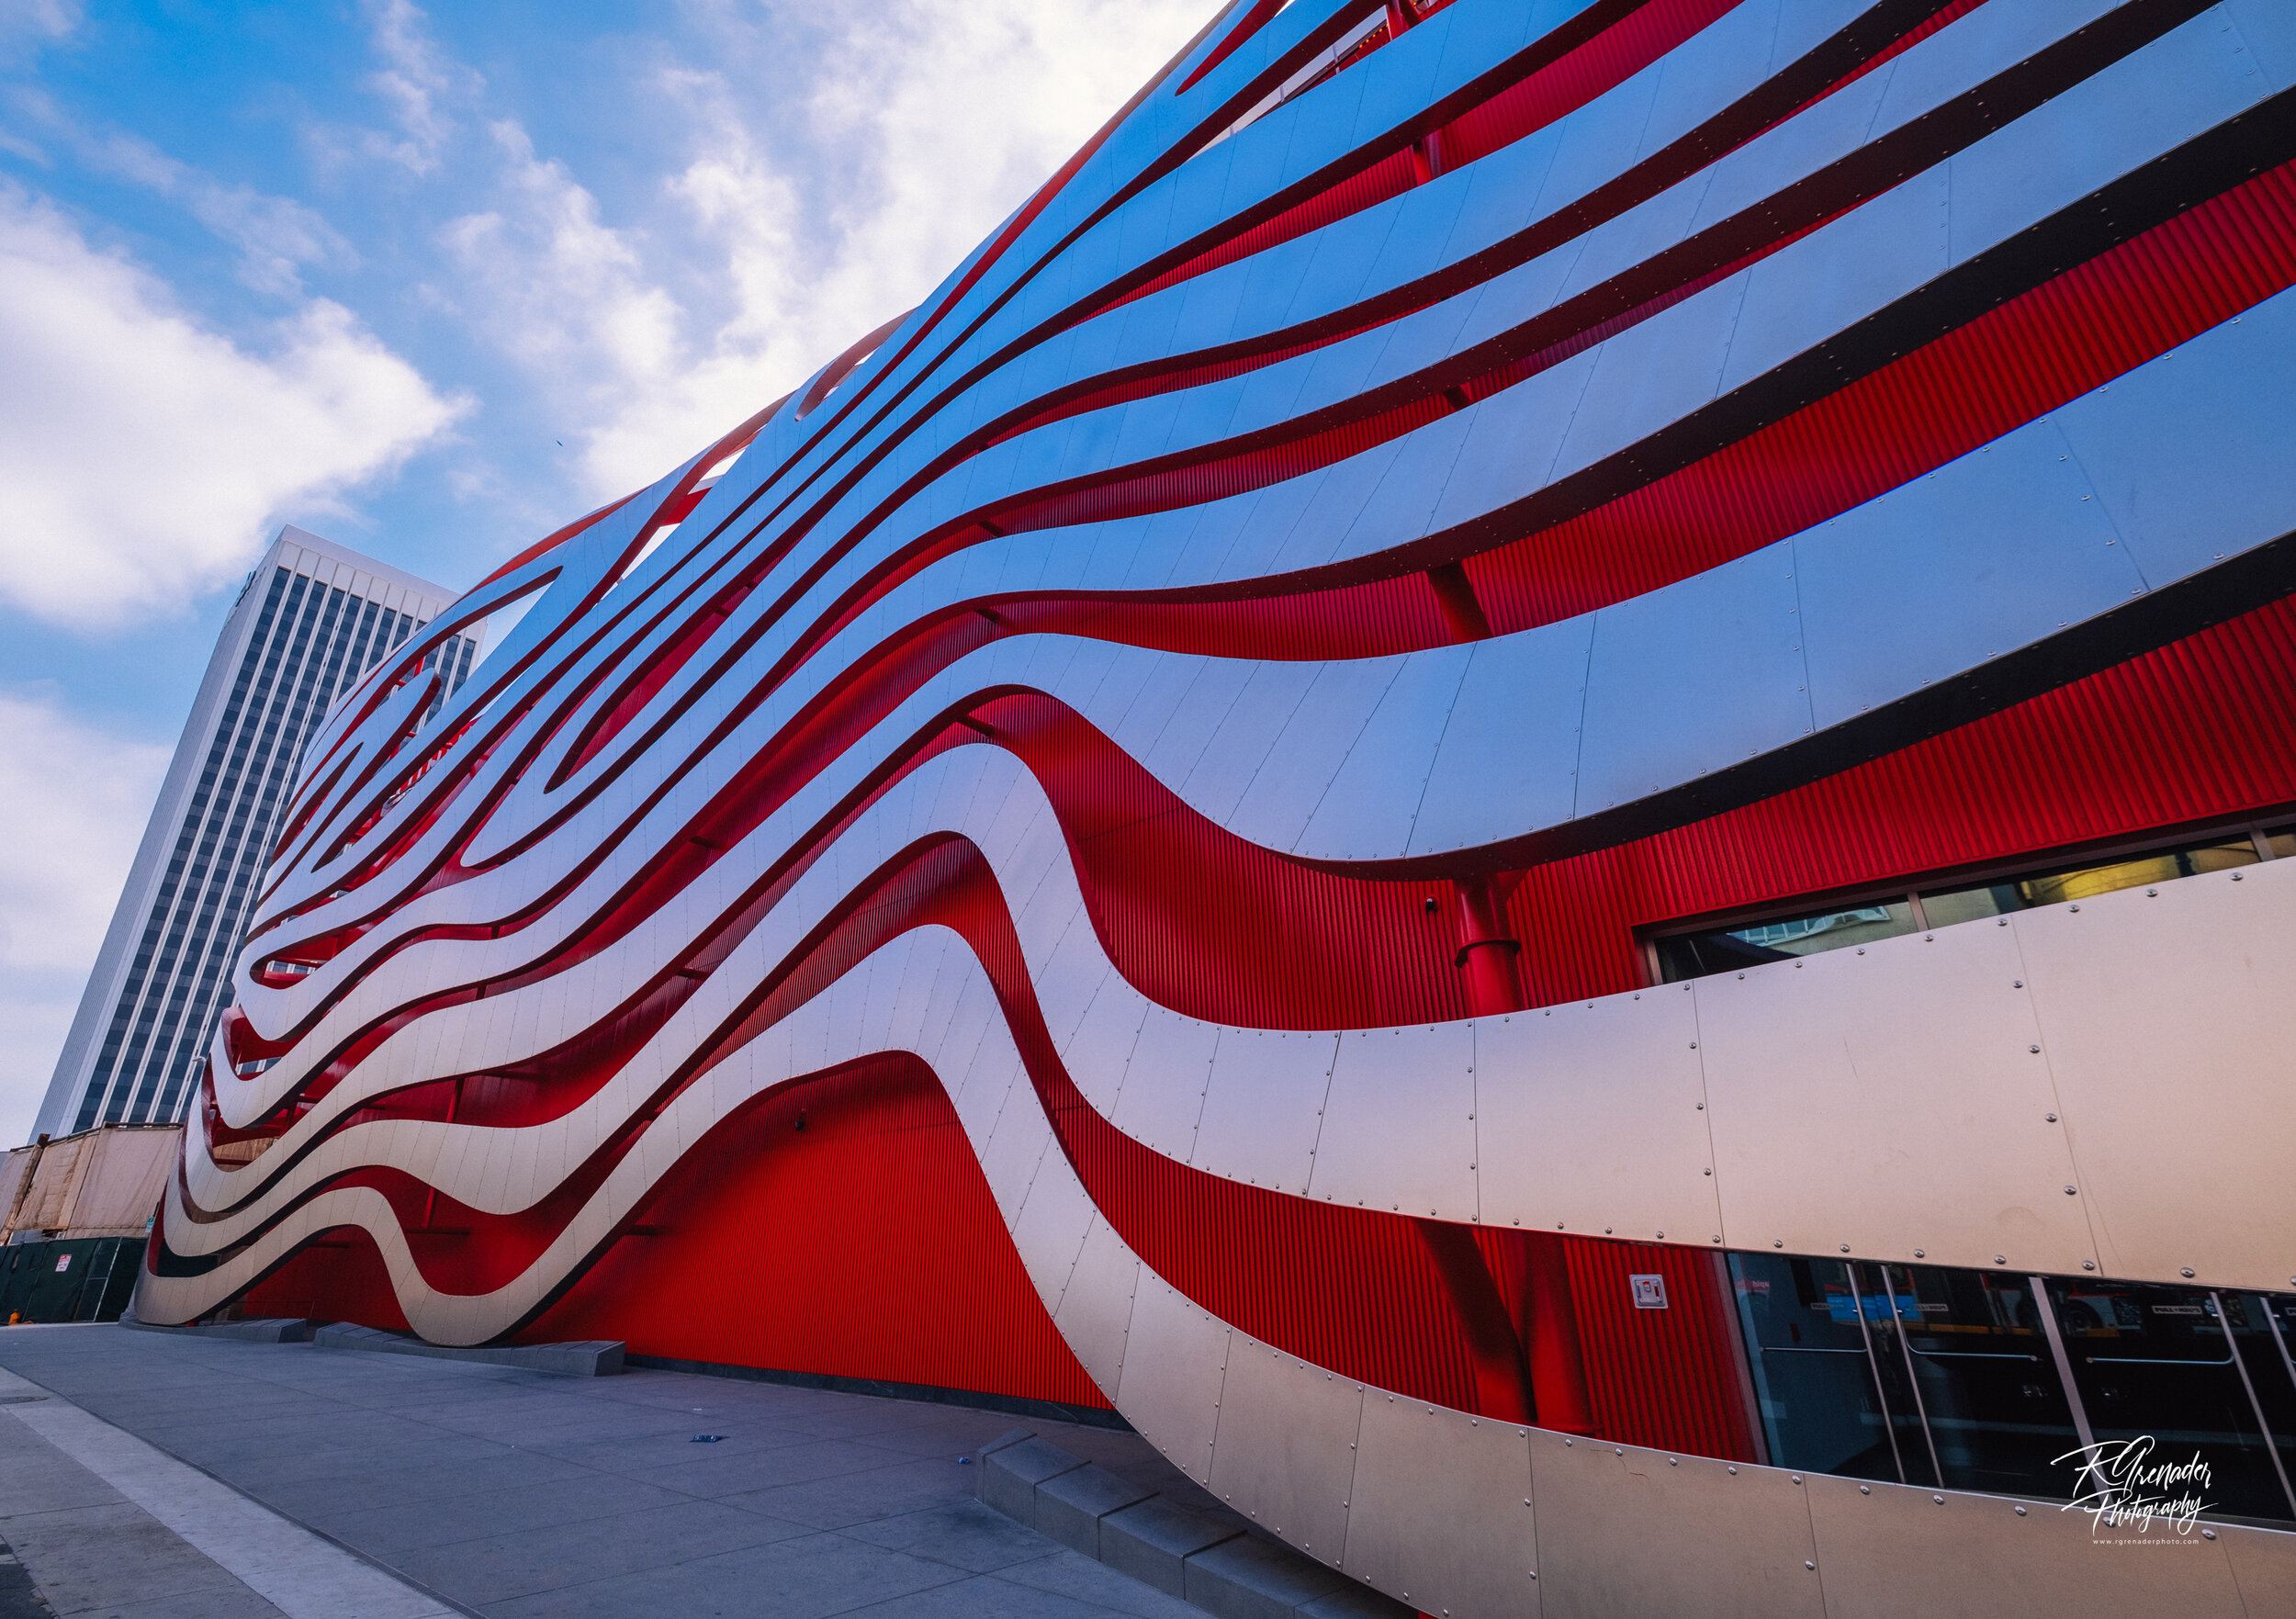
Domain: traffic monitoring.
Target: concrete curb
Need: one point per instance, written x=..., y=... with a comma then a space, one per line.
x=1218, y=1567
x=270, y=1330
x=598, y=1357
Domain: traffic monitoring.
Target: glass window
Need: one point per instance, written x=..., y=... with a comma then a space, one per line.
x=1697, y=955
x=2158, y=1363
x=1987, y=1379
x=2079, y=882
x=1813, y=1367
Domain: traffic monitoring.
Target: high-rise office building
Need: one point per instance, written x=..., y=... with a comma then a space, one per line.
x=312, y=618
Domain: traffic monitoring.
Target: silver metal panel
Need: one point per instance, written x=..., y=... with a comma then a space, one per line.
x=1893, y=1553
x=2188, y=454
x=1440, y=1512
x=1652, y=373
x=2267, y=33
x=2263, y=1562
x=1174, y=1360
x=2149, y=101
x=1162, y=1097
x=1265, y=1090
x=1589, y=1118
x=1509, y=746
x=1097, y=1053
x=1693, y=679
x=1511, y=441
x=1886, y=1099
x=1999, y=548
x=1407, y=472
x=1625, y=1534
x=2168, y=1016
x=1399, y=1126
x=1053, y=1222
x=1976, y=46
x=1378, y=791
x=1812, y=288
x=1285, y=1453
x=1096, y=1312
x=1295, y=773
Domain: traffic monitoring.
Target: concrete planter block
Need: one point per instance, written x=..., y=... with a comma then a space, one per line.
x=1247, y=1579
x=1009, y=1476
x=1153, y=1541
x=1069, y=1506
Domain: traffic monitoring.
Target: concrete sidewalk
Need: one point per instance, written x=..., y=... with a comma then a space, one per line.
x=517, y=1493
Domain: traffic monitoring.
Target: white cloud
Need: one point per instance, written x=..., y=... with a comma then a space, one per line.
x=415, y=79
x=562, y=292
x=145, y=455
x=843, y=161
x=33, y=20
x=275, y=235
x=73, y=801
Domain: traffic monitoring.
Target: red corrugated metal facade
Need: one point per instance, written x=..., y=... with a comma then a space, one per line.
x=839, y=1224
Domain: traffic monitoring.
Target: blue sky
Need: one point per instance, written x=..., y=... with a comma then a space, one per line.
x=427, y=282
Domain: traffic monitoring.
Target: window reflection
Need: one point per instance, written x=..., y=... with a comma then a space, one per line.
x=2079, y=883
x=1737, y=947
x=1697, y=955
x=2158, y=1362
x=1813, y=1367
x=1995, y=1407
x=1944, y=1378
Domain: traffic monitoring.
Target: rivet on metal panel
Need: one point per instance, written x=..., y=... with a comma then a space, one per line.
x=2052, y=1117
x=2088, y=1265
x=1717, y=1236
x=2068, y=1191
x=1702, y=1107
x=1845, y=1247
x=1607, y=1230
x=1797, y=1478
x=1565, y=1444
x=2020, y=1512
x=1807, y=1563
x=2017, y=983
x=2187, y=1271
x=2152, y=894
x=2235, y=877
x=1920, y=1253
x=1671, y=1462
x=1939, y=1499
x=1777, y=1241
x=1616, y=1450
x=2001, y=1259
x=1860, y=950
x=2208, y=1535
x=2002, y=923
x=1865, y=1490
x=1733, y=1472
x=1661, y=1233
x=1693, y=1044
x=1709, y=1172
x=2034, y=1049
x=1929, y=938
x=2074, y=908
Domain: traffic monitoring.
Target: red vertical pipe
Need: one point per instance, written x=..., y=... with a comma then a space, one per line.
x=1557, y=1365
x=1502, y=1382
x=1487, y=953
